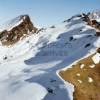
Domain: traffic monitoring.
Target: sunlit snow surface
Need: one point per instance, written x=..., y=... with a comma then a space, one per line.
x=28, y=68
x=96, y=58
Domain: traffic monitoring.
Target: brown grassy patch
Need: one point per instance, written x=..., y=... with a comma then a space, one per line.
x=85, y=90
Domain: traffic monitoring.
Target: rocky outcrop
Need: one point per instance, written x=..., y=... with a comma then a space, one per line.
x=22, y=28
x=86, y=18
x=98, y=50
x=92, y=23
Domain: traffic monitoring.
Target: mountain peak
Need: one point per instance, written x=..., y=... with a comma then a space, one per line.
x=95, y=14
x=16, y=29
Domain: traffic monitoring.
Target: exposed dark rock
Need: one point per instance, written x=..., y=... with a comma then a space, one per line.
x=71, y=38
x=53, y=26
x=50, y=90
x=97, y=33
x=87, y=45
x=5, y=58
x=40, y=30
x=98, y=50
x=64, y=21
x=52, y=80
x=24, y=28
x=92, y=23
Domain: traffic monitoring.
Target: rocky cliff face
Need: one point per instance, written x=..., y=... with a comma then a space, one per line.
x=22, y=28
x=92, y=22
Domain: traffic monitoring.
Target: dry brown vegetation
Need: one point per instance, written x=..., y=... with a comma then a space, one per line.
x=79, y=77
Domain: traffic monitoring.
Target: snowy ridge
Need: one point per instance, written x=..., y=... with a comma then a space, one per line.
x=95, y=14
x=11, y=23
x=31, y=64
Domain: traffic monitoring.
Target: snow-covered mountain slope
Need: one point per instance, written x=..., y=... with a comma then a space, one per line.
x=29, y=66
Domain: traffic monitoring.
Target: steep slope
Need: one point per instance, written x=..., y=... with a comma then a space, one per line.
x=33, y=61
x=17, y=28
x=85, y=76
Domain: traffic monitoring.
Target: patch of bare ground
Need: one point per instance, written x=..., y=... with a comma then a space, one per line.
x=85, y=76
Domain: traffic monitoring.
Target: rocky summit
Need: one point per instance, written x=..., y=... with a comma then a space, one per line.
x=18, y=28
